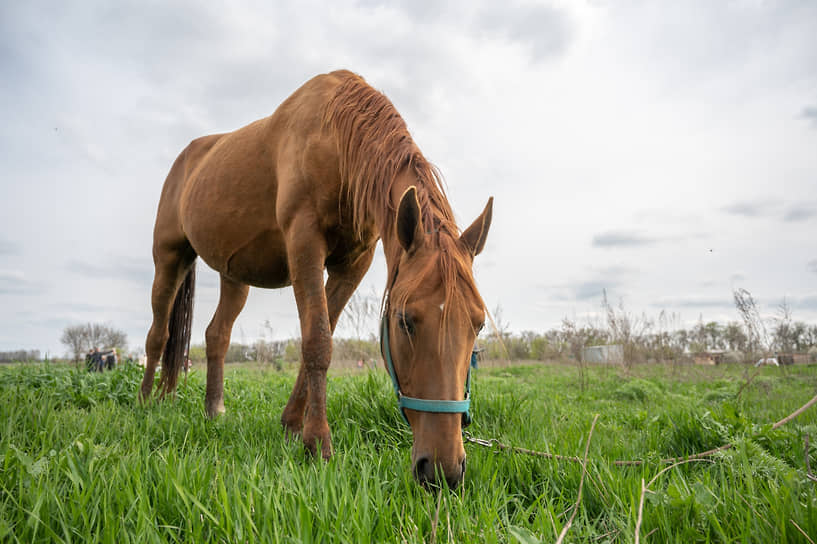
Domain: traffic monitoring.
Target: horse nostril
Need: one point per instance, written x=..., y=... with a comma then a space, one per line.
x=422, y=470
x=455, y=480
x=431, y=476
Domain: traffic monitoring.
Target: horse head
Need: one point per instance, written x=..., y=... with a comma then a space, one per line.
x=432, y=316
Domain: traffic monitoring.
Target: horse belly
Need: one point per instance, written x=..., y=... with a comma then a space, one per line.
x=261, y=263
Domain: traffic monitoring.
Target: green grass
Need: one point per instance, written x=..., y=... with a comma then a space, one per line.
x=80, y=461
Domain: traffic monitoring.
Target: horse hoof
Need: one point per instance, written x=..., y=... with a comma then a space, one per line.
x=312, y=450
x=144, y=397
x=213, y=410
x=312, y=441
x=291, y=430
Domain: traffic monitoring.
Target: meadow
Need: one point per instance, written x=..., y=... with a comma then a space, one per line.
x=81, y=461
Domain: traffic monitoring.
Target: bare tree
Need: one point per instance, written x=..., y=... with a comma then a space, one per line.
x=75, y=338
x=575, y=341
x=502, y=327
x=361, y=316
x=361, y=312
x=79, y=339
x=625, y=329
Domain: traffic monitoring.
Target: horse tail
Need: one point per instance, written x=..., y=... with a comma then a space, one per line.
x=180, y=325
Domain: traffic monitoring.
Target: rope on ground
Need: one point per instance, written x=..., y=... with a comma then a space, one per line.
x=493, y=442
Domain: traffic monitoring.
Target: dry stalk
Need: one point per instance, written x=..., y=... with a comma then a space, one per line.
x=746, y=383
x=614, y=532
x=436, y=520
x=809, y=475
x=796, y=413
x=801, y=530
x=552, y=523
x=448, y=524
x=752, y=508
x=581, y=483
x=498, y=332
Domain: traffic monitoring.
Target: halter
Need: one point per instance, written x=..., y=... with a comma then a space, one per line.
x=422, y=405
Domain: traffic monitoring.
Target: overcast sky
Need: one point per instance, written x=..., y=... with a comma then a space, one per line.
x=663, y=151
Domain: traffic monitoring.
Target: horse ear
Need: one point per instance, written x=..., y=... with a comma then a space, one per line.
x=474, y=236
x=410, y=221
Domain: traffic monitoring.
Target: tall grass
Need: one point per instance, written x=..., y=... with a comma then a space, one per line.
x=80, y=461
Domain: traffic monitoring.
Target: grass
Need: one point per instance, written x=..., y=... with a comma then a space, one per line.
x=80, y=461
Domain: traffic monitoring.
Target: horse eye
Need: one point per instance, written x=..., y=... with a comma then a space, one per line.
x=406, y=324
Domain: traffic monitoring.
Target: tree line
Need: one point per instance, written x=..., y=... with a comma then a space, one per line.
x=646, y=339
x=19, y=355
x=642, y=338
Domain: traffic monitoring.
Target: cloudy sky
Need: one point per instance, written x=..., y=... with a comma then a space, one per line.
x=663, y=151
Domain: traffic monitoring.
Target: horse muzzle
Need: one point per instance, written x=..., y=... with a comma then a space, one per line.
x=431, y=474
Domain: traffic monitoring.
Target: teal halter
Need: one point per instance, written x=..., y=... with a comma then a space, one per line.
x=422, y=405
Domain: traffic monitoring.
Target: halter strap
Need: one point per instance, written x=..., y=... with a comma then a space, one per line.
x=422, y=405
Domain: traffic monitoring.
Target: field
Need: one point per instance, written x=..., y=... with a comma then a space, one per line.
x=82, y=462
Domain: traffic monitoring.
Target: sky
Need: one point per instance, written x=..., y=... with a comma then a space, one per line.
x=665, y=152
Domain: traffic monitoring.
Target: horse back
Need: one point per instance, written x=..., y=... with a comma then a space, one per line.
x=233, y=196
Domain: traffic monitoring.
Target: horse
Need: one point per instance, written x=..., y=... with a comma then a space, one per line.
x=306, y=191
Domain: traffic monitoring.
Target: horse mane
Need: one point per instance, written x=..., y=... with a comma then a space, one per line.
x=374, y=146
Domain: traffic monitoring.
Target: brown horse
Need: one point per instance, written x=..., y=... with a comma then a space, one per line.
x=312, y=188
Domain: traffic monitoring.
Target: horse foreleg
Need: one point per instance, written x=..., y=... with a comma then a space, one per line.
x=340, y=285
x=306, y=258
x=231, y=301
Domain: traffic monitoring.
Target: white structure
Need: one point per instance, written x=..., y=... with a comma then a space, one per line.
x=612, y=354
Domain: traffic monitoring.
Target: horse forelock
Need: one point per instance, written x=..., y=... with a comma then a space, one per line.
x=453, y=264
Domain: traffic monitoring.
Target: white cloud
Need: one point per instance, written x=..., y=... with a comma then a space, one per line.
x=676, y=127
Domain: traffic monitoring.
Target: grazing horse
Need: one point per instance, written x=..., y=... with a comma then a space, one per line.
x=312, y=188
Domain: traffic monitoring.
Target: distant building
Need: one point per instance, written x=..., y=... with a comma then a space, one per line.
x=711, y=358
x=793, y=358
x=611, y=355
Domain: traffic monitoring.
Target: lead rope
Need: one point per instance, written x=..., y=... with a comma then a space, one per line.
x=494, y=443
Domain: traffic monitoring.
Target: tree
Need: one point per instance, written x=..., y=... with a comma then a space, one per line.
x=785, y=335
x=79, y=339
x=75, y=338
x=734, y=337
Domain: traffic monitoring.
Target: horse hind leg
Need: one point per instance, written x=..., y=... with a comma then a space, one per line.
x=232, y=297
x=171, y=267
